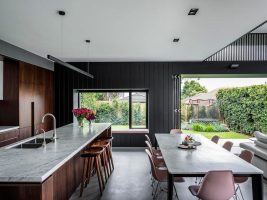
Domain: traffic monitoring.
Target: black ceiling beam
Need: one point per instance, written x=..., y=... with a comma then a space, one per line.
x=56, y=60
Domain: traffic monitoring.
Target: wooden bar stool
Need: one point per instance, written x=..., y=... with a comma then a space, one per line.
x=106, y=143
x=92, y=161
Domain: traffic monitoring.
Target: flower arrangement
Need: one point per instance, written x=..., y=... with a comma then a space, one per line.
x=81, y=113
x=90, y=115
x=188, y=140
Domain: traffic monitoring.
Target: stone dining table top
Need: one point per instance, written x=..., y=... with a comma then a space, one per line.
x=206, y=157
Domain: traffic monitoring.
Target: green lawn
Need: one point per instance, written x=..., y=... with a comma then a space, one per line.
x=222, y=135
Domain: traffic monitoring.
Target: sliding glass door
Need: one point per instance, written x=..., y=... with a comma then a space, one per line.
x=231, y=106
x=176, y=101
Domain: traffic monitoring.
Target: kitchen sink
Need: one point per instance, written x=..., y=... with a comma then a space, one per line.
x=33, y=144
x=28, y=146
x=39, y=140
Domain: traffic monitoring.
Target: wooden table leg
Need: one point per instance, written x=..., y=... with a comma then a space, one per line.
x=170, y=186
x=257, y=186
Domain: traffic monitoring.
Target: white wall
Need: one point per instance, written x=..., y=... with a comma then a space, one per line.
x=1, y=79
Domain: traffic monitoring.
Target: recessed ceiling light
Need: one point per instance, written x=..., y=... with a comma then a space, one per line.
x=193, y=11
x=61, y=12
x=176, y=40
x=87, y=41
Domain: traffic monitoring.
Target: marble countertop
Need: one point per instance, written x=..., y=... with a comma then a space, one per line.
x=7, y=128
x=36, y=165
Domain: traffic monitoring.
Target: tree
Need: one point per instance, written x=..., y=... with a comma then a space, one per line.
x=88, y=100
x=192, y=88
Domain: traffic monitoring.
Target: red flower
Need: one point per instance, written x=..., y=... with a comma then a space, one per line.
x=80, y=112
x=89, y=114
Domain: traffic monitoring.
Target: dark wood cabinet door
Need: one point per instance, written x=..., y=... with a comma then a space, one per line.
x=9, y=137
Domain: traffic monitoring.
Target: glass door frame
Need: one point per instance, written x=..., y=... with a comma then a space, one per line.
x=177, y=101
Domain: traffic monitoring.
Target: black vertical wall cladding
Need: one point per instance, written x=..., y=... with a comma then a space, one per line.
x=154, y=76
x=250, y=47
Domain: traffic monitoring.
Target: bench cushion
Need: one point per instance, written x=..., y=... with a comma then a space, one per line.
x=261, y=144
x=261, y=136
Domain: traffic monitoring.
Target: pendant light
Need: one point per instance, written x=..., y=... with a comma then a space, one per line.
x=88, y=63
x=56, y=60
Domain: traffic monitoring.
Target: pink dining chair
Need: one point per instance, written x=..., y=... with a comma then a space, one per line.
x=148, y=139
x=217, y=185
x=155, y=151
x=158, y=160
x=160, y=175
x=228, y=145
x=175, y=131
x=247, y=156
x=215, y=139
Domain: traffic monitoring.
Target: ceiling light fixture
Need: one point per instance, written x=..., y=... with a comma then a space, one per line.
x=176, y=40
x=193, y=11
x=61, y=12
x=60, y=62
x=88, y=51
x=56, y=60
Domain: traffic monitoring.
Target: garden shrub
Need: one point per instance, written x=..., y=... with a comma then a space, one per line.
x=245, y=108
x=198, y=127
x=220, y=127
x=209, y=128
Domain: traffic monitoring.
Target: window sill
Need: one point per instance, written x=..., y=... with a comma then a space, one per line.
x=139, y=131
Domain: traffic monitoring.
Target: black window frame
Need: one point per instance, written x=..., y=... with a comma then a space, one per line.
x=130, y=101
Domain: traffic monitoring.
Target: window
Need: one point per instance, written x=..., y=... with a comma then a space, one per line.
x=124, y=109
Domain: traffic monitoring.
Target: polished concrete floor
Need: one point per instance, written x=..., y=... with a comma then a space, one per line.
x=131, y=181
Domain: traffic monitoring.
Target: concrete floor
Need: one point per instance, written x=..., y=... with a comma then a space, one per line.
x=131, y=181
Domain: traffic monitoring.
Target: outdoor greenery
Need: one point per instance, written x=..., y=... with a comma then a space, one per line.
x=245, y=108
x=191, y=112
x=209, y=127
x=222, y=135
x=192, y=88
x=109, y=108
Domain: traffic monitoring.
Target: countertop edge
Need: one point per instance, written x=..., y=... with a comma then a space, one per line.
x=10, y=128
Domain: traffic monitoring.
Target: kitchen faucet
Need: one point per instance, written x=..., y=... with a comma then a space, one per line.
x=54, y=123
x=37, y=131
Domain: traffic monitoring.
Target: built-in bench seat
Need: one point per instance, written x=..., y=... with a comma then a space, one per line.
x=259, y=148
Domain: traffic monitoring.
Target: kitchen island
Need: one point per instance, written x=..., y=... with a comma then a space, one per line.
x=51, y=172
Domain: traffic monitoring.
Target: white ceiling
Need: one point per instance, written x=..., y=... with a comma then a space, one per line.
x=128, y=30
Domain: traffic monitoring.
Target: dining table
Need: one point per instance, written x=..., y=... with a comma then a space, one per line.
x=208, y=156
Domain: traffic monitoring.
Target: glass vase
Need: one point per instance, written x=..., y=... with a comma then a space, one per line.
x=80, y=121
